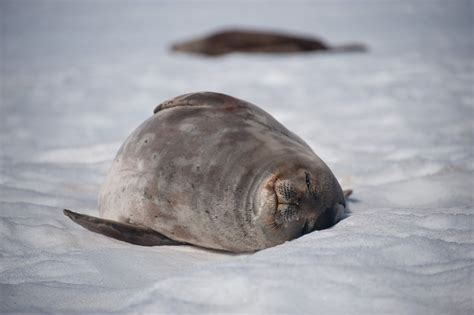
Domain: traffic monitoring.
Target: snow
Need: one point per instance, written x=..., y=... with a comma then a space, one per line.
x=394, y=124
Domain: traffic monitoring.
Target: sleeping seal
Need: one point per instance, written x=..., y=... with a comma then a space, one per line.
x=248, y=41
x=214, y=171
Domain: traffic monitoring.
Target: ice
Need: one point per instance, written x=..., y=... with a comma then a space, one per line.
x=394, y=124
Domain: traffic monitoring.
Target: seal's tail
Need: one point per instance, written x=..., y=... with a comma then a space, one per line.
x=126, y=232
x=356, y=47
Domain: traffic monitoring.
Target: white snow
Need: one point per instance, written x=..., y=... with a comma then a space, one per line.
x=394, y=124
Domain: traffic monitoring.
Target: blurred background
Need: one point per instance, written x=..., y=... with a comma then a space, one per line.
x=85, y=58
x=394, y=123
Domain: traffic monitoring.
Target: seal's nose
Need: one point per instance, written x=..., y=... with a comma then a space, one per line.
x=296, y=200
x=286, y=192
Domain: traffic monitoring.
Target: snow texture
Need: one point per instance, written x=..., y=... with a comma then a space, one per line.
x=395, y=124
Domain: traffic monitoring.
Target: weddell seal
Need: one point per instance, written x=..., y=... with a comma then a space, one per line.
x=254, y=41
x=214, y=171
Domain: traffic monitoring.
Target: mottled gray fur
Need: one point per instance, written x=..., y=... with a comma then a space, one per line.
x=211, y=170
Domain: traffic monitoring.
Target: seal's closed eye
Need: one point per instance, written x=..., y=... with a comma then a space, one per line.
x=309, y=184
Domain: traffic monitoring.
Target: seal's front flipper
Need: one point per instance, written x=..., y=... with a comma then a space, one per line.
x=121, y=231
x=347, y=193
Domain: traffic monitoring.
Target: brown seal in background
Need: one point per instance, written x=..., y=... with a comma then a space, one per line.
x=214, y=171
x=254, y=41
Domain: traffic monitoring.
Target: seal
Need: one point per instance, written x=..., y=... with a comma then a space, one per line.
x=254, y=41
x=214, y=171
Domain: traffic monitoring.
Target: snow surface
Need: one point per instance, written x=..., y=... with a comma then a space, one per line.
x=395, y=124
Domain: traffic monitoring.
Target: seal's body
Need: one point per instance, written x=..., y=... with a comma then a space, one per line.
x=254, y=41
x=218, y=172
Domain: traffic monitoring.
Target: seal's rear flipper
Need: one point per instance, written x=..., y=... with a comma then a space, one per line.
x=356, y=47
x=121, y=231
x=347, y=193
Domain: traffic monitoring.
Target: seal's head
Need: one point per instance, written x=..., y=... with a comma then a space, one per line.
x=298, y=198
